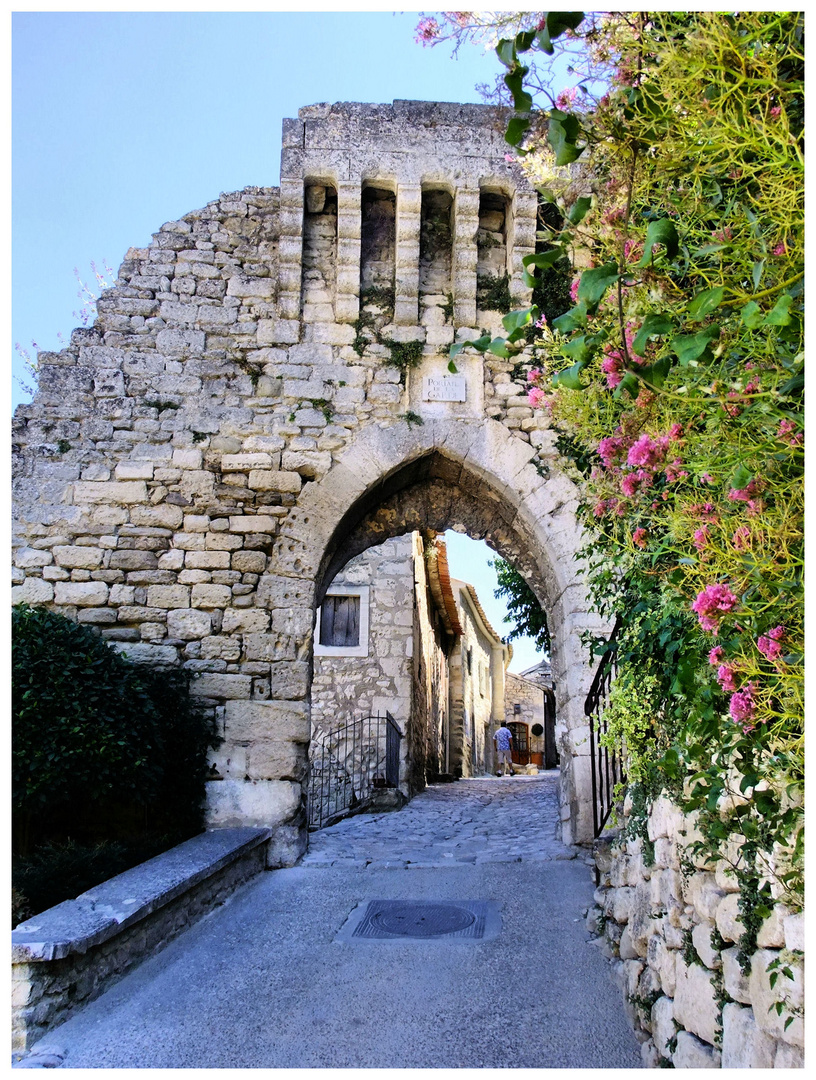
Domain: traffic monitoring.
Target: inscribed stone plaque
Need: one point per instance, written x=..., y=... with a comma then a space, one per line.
x=444, y=388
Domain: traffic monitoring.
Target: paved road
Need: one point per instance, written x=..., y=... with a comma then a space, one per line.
x=263, y=982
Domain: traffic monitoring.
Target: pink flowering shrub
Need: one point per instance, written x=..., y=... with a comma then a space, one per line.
x=713, y=600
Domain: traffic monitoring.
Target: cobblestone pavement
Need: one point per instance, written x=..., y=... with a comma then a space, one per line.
x=490, y=819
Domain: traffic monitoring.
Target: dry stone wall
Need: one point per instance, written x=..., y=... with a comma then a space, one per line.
x=672, y=930
x=190, y=463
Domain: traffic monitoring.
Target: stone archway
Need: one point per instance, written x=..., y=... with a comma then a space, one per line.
x=441, y=474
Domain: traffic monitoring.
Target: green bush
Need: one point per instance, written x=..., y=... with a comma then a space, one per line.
x=103, y=750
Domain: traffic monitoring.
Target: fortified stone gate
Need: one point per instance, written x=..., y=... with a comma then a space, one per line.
x=264, y=395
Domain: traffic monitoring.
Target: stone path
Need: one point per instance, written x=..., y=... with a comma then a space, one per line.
x=269, y=981
x=472, y=821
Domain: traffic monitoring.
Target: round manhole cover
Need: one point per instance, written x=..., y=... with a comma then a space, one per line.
x=423, y=920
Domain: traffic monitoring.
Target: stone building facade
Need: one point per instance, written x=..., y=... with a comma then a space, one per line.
x=424, y=652
x=264, y=395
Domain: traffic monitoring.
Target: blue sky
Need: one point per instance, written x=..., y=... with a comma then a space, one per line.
x=123, y=121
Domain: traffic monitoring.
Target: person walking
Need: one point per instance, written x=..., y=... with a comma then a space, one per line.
x=503, y=740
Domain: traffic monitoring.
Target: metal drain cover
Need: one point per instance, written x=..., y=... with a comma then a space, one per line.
x=422, y=920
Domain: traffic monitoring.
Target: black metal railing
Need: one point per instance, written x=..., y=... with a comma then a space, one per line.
x=349, y=765
x=607, y=766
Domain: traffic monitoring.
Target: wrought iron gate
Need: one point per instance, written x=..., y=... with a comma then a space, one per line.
x=349, y=765
x=607, y=767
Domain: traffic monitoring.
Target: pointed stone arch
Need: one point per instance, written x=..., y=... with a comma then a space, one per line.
x=443, y=473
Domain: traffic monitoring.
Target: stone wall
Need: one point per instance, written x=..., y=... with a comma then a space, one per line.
x=530, y=697
x=671, y=929
x=192, y=463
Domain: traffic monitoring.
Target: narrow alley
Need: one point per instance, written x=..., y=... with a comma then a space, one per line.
x=278, y=978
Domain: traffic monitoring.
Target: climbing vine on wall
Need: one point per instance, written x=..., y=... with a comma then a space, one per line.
x=677, y=376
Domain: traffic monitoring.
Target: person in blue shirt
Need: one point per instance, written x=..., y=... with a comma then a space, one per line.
x=503, y=740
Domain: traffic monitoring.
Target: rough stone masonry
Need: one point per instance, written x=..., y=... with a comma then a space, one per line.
x=259, y=400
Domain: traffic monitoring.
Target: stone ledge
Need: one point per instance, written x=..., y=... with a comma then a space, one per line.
x=77, y=925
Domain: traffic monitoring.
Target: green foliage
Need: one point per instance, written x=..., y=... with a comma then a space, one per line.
x=493, y=292
x=100, y=747
x=679, y=392
x=199, y=436
x=523, y=609
x=412, y=418
x=404, y=355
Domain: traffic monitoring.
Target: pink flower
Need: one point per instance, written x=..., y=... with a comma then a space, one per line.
x=647, y=452
x=780, y=249
x=609, y=448
x=675, y=431
x=713, y=599
x=566, y=99
x=725, y=677
x=775, y=112
x=742, y=538
x=599, y=508
x=777, y=633
x=701, y=538
x=769, y=648
x=427, y=31
x=674, y=472
x=639, y=537
x=533, y=374
x=574, y=290
x=715, y=655
x=752, y=386
x=542, y=322
x=745, y=494
x=742, y=707
x=786, y=431
x=509, y=159
x=536, y=397
x=707, y=478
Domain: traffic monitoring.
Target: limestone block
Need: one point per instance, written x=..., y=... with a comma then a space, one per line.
x=254, y=802
x=112, y=491
x=764, y=998
x=270, y=480
x=244, y=621
x=744, y=1046
x=133, y=559
x=30, y=557
x=245, y=462
x=702, y=894
x=33, y=591
x=794, y=928
x=81, y=593
x=189, y=541
x=188, y=458
x=207, y=560
x=736, y=984
x=84, y=558
x=134, y=470
x=188, y=625
x=180, y=342
x=109, y=384
x=168, y=596
x=249, y=523
x=121, y=594
x=144, y=653
x=231, y=687
x=728, y=921
x=619, y=904
x=641, y=923
x=164, y=516
x=771, y=935
x=665, y=819
x=249, y=562
x=663, y=1025
x=691, y=1053
x=285, y=721
x=270, y=759
x=171, y=560
x=701, y=937
x=695, y=1004
x=95, y=472
x=289, y=680
x=663, y=961
x=269, y=647
x=789, y=1057
x=211, y=596
x=626, y=949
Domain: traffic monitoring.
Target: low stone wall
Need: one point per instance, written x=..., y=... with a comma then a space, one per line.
x=66, y=956
x=672, y=933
